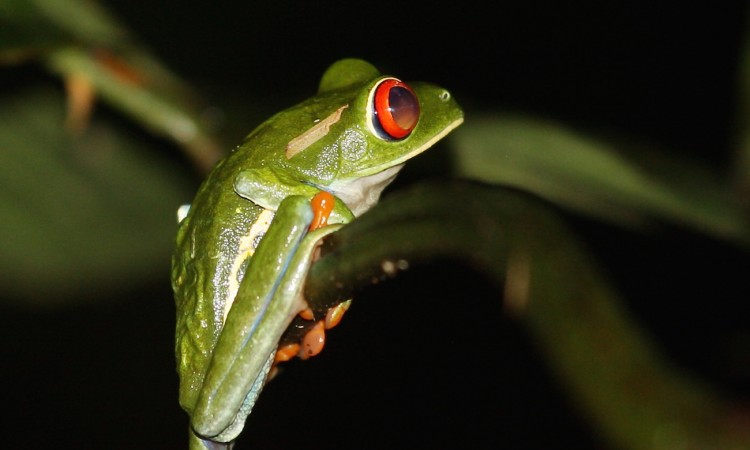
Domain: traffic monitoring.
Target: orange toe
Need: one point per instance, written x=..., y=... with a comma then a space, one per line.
x=286, y=352
x=335, y=314
x=313, y=342
x=322, y=205
x=307, y=314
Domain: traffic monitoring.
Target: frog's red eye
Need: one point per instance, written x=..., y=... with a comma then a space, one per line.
x=396, y=108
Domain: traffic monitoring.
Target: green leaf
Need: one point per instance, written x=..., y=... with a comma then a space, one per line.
x=79, y=39
x=34, y=26
x=80, y=215
x=157, y=100
x=595, y=177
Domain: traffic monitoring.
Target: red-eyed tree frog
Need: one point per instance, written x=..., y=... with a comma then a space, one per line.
x=246, y=242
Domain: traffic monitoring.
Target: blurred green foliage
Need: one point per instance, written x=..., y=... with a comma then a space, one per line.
x=598, y=177
x=78, y=212
x=96, y=208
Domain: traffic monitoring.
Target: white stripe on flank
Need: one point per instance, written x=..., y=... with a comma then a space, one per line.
x=247, y=246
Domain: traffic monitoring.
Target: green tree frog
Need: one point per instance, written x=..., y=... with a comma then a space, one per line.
x=248, y=239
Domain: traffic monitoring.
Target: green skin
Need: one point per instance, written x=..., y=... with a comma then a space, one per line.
x=237, y=282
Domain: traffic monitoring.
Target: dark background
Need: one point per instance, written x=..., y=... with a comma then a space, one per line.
x=427, y=359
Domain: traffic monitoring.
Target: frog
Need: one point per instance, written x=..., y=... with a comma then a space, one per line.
x=246, y=242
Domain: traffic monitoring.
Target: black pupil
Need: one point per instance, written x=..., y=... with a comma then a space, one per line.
x=404, y=107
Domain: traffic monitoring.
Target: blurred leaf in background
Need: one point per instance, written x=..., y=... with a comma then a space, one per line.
x=90, y=205
x=83, y=213
x=598, y=177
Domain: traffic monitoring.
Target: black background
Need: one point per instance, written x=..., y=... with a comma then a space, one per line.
x=428, y=359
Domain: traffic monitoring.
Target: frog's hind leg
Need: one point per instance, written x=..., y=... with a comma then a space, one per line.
x=266, y=302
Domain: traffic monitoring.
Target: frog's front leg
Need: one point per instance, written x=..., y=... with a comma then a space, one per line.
x=264, y=187
x=312, y=340
x=267, y=300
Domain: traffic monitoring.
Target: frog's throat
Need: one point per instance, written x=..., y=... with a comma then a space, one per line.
x=361, y=193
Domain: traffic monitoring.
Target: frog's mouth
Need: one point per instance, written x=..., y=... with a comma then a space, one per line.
x=430, y=142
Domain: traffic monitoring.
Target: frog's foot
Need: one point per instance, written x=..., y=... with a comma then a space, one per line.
x=313, y=335
x=315, y=339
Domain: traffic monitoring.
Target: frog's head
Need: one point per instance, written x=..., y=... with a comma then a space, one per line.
x=363, y=126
